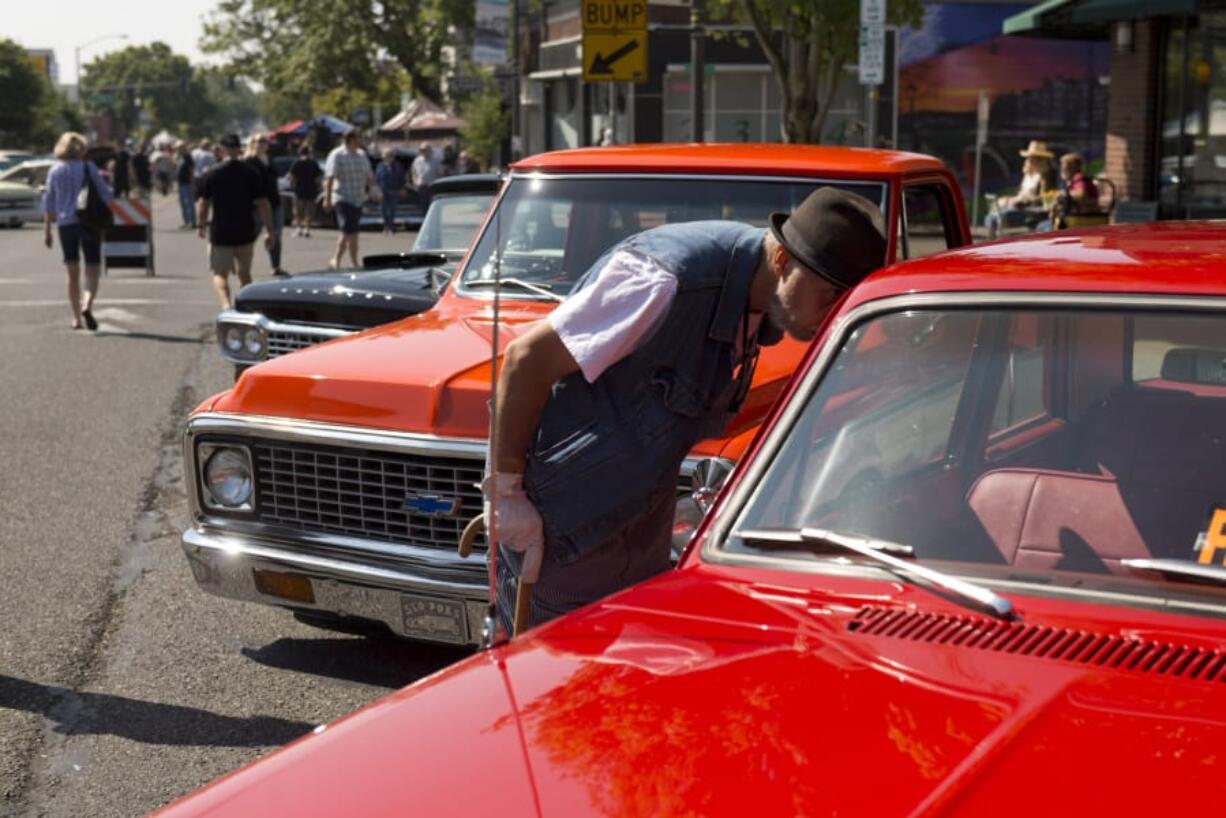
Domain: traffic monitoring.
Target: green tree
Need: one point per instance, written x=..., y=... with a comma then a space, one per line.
x=29, y=113
x=389, y=85
x=151, y=78
x=234, y=106
x=807, y=44
x=308, y=47
x=488, y=124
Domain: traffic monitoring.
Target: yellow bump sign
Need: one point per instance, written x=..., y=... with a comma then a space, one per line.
x=614, y=15
x=615, y=57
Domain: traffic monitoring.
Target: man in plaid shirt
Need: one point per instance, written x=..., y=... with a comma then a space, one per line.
x=347, y=178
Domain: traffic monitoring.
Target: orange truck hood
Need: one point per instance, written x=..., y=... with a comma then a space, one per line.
x=429, y=374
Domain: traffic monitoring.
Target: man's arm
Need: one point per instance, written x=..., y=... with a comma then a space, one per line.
x=202, y=216
x=327, y=203
x=530, y=367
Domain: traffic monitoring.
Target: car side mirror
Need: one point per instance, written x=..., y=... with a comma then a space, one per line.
x=438, y=279
x=708, y=478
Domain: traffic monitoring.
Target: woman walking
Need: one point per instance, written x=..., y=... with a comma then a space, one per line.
x=257, y=156
x=64, y=183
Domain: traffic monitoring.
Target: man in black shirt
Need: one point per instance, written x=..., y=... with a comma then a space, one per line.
x=233, y=188
x=305, y=174
x=142, y=171
x=119, y=172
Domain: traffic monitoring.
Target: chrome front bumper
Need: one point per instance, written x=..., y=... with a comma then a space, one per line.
x=277, y=338
x=225, y=565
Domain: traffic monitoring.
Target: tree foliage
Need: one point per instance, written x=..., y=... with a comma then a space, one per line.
x=807, y=43
x=308, y=47
x=488, y=124
x=151, y=78
x=29, y=113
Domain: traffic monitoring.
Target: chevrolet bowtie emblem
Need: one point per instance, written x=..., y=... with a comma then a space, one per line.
x=431, y=505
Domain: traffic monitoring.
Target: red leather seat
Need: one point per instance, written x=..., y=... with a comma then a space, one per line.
x=1056, y=520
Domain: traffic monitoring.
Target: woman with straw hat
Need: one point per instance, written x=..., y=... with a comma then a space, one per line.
x=1038, y=176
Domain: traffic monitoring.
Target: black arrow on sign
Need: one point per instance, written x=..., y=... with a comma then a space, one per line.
x=604, y=65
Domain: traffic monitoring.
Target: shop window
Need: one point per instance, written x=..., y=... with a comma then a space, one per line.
x=739, y=107
x=1192, y=166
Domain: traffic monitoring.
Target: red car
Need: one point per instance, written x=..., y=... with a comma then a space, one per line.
x=972, y=565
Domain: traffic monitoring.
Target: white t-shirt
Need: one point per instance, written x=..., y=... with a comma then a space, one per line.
x=608, y=319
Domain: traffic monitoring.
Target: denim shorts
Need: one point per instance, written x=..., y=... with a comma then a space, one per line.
x=349, y=216
x=76, y=239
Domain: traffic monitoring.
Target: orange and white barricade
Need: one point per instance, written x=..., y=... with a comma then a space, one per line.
x=129, y=242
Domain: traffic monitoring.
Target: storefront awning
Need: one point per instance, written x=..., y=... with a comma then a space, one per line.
x=1088, y=19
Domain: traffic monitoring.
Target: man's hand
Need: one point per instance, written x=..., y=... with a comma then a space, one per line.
x=47, y=238
x=201, y=231
x=326, y=205
x=268, y=241
x=516, y=522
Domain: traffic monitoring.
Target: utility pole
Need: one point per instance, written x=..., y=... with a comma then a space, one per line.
x=513, y=58
x=698, y=10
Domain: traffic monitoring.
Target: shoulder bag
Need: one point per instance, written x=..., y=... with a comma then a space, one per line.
x=92, y=212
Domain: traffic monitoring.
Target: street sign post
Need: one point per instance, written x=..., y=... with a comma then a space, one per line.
x=872, y=54
x=872, y=42
x=614, y=40
x=982, y=113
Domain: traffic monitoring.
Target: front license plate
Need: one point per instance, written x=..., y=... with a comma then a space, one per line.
x=441, y=620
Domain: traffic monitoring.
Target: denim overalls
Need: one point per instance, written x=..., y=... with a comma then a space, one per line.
x=602, y=468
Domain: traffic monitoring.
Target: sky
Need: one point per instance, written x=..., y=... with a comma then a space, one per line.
x=63, y=25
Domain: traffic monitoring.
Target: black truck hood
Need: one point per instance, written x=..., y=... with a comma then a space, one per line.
x=363, y=298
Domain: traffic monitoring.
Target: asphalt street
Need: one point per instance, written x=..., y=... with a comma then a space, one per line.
x=122, y=686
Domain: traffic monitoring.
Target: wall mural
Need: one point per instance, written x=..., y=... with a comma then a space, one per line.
x=1050, y=90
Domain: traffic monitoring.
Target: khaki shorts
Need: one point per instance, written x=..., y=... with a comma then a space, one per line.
x=225, y=259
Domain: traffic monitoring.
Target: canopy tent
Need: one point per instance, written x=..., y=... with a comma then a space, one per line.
x=334, y=125
x=163, y=139
x=299, y=127
x=423, y=119
x=295, y=128
x=1088, y=19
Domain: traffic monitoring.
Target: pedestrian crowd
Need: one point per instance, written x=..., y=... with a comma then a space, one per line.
x=229, y=194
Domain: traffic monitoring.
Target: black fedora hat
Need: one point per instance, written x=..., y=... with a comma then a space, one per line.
x=836, y=234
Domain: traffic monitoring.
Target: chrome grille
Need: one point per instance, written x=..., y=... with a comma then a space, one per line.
x=281, y=342
x=362, y=492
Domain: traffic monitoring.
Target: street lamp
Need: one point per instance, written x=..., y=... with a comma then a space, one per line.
x=77, y=56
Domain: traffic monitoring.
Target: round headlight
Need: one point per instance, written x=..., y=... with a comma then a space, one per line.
x=234, y=339
x=253, y=342
x=227, y=475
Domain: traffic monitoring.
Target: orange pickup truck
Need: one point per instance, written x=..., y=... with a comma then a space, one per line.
x=336, y=481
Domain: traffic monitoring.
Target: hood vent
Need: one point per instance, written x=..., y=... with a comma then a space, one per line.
x=1042, y=641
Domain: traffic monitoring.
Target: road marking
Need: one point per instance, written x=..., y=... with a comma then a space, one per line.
x=151, y=302
x=19, y=280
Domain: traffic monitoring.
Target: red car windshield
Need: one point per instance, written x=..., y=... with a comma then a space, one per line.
x=551, y=229
x=1037, y=445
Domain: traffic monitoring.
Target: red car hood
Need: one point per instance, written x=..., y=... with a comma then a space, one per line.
x=693, y=696
x=429, y=374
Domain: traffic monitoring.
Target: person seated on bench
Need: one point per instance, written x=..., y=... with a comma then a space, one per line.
x=1079, y=197
x=1038, y=177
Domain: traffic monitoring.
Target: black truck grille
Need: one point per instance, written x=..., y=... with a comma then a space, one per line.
x=401, y=498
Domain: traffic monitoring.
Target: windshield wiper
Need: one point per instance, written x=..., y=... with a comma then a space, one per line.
x=539, y=289
x=1212, y=574
x=881, y=552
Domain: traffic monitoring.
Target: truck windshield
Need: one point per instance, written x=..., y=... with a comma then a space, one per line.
x=549, y=230
x=1081, y=449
